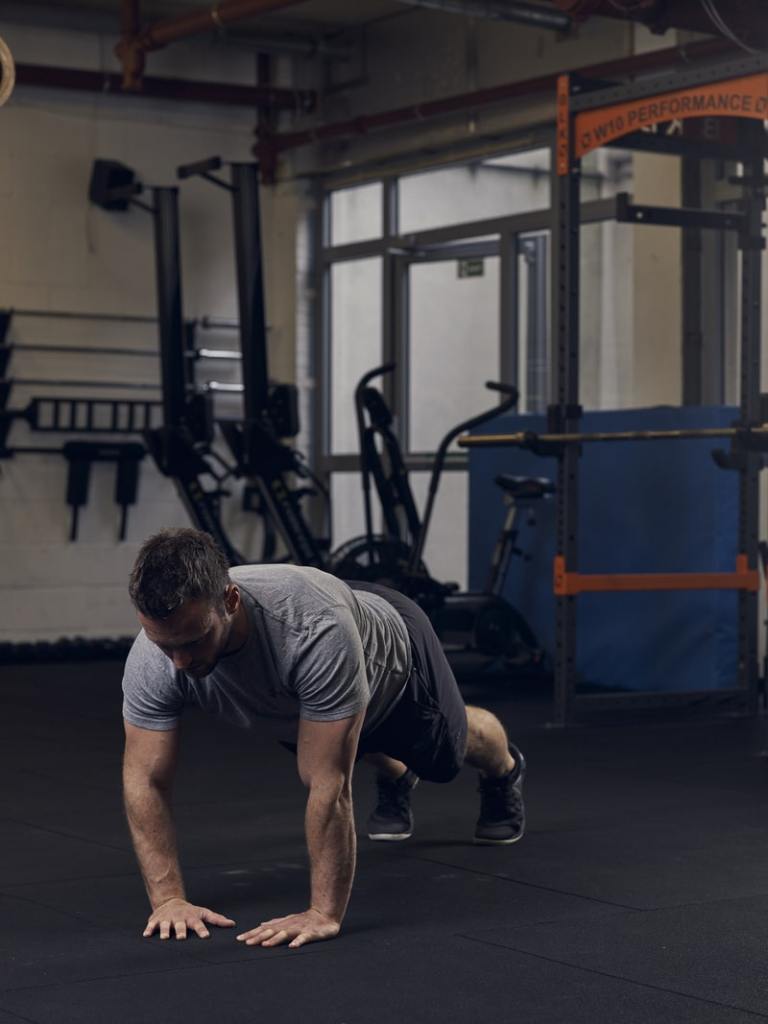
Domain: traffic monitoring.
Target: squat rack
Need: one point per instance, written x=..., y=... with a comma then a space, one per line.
x=590, y=115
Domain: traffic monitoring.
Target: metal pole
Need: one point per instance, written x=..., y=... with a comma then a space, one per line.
x=749, y=498
x=565, y=387
x=169, y=306
x=508, y=309
x=250, y=294
x=693, y=328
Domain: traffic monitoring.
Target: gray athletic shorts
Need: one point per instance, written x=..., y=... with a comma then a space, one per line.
x=427, y=728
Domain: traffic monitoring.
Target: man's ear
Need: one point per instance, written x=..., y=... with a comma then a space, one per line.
x=231, y=599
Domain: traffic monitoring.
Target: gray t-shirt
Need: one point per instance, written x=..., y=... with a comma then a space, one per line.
x=316, y=650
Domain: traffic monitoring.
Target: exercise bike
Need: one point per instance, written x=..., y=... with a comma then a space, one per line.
x=480, y=630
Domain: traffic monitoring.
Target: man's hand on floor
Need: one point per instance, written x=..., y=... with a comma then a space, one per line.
x=296, y=929
x=179, y=916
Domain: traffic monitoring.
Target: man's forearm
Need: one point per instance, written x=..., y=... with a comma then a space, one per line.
x=331, y=842
x=154, y=840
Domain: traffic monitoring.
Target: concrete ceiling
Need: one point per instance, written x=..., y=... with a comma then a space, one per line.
x=331, y=15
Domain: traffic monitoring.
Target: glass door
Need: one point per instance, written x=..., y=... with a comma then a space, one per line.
x=450, y=318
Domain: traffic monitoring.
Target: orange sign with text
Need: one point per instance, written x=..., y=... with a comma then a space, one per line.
x=735, y=97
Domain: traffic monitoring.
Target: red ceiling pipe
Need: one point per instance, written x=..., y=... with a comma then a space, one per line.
x=269, y=98
x=130, y=18
x=655, y=60
x=132, y=48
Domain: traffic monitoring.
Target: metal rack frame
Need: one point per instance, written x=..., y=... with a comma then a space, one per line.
x=590, y=115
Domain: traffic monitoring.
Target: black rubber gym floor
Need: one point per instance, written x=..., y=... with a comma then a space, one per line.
x=639, y=894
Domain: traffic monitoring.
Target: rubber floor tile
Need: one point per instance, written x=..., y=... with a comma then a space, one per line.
x=714, y=951
x=41, y=946
x=403, y=898
x=32, y=854
x=634, y=867
x=451, y=980
x=11, y=1018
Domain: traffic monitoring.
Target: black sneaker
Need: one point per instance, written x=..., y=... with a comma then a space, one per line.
x=391, y=819
x=502, y=812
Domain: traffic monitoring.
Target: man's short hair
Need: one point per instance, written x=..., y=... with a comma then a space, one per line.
x=175, y=566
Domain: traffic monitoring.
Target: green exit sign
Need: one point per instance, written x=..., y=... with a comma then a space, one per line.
x=472, y=268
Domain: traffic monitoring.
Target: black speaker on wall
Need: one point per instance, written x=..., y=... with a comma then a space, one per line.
x=108, y=176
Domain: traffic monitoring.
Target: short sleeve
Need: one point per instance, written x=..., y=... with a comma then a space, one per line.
x=152, y=697
x=329, y=676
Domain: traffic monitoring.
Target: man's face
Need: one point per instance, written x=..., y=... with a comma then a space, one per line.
x=194, y=637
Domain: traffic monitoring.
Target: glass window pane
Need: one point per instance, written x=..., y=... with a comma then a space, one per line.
x=533, y=322
x=606, y=316
x=356, y=319
x=445, y=554
x=497, y=187
x=348, y=511
x=453, y=346
x=356, y=213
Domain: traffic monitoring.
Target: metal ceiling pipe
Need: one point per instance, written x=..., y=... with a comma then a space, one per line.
x=301, y=45
x=130, y=18
x=169, y=30
x=747, y=19
x=183, y=90
x=304, y=43
x=132, y=50
x=499, y=10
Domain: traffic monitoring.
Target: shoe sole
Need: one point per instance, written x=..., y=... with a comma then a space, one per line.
x=497, y=842
x=387, y=837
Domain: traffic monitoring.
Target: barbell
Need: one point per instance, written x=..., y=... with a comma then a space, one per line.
x=531, y=439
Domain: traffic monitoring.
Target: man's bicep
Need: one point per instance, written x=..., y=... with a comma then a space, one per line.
x=326, y=750
x=151, y=754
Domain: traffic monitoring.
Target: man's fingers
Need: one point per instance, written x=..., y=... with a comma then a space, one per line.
x=256, y=935
x=218, y=919
x=300, y=940
x=192, y=919
x=276, y=939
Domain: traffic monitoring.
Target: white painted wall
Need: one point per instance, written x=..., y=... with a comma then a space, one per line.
x=60, y=253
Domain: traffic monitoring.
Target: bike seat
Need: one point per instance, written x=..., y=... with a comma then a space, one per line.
x=524, y=488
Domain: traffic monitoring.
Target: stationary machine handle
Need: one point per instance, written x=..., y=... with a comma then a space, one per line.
x=505, y=389
x=378, y=371
x=511, y=400
x=214, y=163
